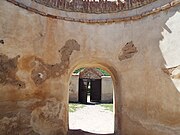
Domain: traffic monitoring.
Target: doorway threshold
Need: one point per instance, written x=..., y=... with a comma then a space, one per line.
x=81, y=132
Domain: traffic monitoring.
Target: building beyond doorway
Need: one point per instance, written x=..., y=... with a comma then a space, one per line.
x=94, y=108
x=91, y=85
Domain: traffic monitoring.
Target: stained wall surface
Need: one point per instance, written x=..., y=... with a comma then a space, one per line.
x=39, y=53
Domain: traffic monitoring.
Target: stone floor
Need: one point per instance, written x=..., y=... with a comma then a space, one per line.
x=91, y=120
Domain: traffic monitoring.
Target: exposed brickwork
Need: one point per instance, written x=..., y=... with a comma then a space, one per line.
x=92, y=6
x=47, y=119
x=92, y=21
x=128, y=51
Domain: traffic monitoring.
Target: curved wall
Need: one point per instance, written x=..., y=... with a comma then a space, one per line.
x=39, y=53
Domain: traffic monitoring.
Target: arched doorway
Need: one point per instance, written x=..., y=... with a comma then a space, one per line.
x=90, y=86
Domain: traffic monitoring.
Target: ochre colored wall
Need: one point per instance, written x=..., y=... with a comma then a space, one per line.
x=38, y=55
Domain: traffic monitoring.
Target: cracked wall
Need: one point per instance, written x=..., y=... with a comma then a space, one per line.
x=43, y=71
x=146, y=99
x=128, y=51
x=48, y=119
x=8, y=69
x=16, y=125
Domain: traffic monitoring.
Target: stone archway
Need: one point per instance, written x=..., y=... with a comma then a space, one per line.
x=115, y=79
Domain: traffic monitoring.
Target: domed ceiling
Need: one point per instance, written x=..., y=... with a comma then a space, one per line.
x=94, y=6
x=96, y=11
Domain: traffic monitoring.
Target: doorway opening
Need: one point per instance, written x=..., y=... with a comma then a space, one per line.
x=91, y=101
x=90, y=85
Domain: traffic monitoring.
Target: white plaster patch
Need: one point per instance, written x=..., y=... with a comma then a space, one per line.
x=170, y=45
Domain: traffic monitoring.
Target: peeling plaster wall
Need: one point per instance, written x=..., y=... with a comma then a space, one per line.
x=147, y=100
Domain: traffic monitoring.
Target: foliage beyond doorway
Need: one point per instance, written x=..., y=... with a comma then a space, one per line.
x=75, y=106
x=104, y=72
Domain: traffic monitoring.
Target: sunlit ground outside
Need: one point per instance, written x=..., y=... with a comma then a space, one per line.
x=92, y=118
